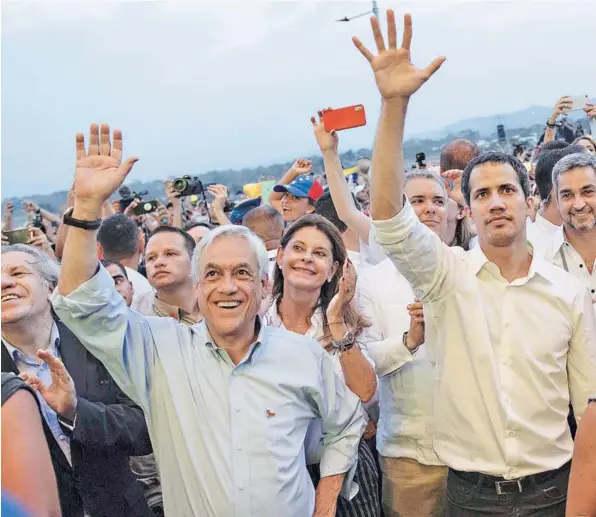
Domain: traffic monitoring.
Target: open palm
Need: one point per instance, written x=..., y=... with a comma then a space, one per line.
x=100, y=171
x=395, y=74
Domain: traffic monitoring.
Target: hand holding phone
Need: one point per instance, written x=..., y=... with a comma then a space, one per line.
x=19, y=236
x=344, y=118
x=145, y=207
x=579, y=102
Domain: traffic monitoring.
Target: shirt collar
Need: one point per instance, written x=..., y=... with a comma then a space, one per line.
x=54, y=347
x=538, y=266
x=166, y=310
x=543, y=223
x=252, y=351
x=558, y=240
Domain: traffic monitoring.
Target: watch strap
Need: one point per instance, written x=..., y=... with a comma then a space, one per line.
x=79, y=223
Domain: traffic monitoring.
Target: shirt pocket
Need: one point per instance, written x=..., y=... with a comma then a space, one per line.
x=280, y=426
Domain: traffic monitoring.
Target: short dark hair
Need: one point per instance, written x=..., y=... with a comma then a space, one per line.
x=457, y=154
x=119, y=237
x=189, y=242
x=105, y=263
x=496, y=157
x=195, y=224
x=552, y=145
x=326, y=208
x=543, y=174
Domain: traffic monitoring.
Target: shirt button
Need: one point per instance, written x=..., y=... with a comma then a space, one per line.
x=581, y=265
x=511, y=433
x=240, y=487
x=239, y=447
x=238, y=409
x=62, y=437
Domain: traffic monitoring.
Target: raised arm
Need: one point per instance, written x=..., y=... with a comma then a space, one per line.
x=397, y=79
x=342, y=198
x=297, y=169
x=86, y=300
x=98, y=173
x=415, y=250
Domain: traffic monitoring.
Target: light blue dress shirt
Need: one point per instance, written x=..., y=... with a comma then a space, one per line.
x=228, y=439
x=42, y=371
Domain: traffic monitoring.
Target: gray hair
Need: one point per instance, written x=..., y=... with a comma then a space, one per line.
x=426, y=175
x=229, y=230
x=569, y=162
x=47, y=268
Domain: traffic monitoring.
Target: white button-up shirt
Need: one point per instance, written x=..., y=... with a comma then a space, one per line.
x=562, y=254
x=508, y=354
x=540, y=233
x=406, y=380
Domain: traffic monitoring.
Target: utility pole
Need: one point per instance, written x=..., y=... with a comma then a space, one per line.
x=374, y=10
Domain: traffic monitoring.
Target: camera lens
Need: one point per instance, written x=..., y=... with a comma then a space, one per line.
x=180, y=184
x=147, y=207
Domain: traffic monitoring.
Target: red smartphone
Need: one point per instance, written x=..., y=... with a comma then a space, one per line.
x=344, y=118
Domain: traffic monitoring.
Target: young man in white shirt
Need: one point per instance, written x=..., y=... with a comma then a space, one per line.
x=574, y=244
x=512, y=336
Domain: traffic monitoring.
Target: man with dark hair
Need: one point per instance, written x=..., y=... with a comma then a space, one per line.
x=552, y=145
x=168, y=259
x=457, y=154
x=548, y=218
x=197, y=230
x=119, y=239
x=120, y=277
x=513, y=337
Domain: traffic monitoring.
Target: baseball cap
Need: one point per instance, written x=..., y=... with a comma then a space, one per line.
x=302, y=186
x=242, y=208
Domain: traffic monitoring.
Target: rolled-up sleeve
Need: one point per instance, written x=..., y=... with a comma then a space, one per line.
x=120, y=338
x=342, y=425
x=419, y=255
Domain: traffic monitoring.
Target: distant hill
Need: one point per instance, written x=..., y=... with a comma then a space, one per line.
x=487, y=125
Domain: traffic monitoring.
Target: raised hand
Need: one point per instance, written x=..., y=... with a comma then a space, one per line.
x=61, y=396
x=30, y=206
x=416, y=333
x=39, y=240
x=563, y=106
x=129, y=211
x=345, y=293
x=590, y=110
x=301, y=167
x=395, y=74
x=100, y=170
x=220, y=193
x=172, y=195
x=453, y=185
x=328, y=141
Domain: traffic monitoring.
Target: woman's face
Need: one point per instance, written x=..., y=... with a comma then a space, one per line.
x=588, y=145
x=307, y=260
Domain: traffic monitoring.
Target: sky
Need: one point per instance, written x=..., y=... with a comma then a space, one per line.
x=198, y=86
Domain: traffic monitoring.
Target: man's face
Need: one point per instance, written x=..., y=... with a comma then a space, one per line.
x=429, y=202
x=293, y=208
x=167, y=261
x=577, y=198
x=123, y=284
x=498, y=204
x=25, y=295
x=230, y=290
x=198, y=232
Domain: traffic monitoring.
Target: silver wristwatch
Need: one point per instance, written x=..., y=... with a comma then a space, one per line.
x=345, y=343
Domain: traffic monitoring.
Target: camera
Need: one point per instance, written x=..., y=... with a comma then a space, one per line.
x=421, y=160
x=128, y=196
x=37, y=221
x=188, y=185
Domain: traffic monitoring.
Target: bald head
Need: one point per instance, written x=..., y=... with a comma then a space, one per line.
x=457, y=154
x=267, y=223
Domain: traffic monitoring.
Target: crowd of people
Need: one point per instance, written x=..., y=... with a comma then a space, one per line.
x=412, y=343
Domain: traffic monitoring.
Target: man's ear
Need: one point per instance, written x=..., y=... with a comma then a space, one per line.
x=266, y=287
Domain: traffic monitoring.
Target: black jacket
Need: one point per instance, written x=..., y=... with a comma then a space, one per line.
x=109, y=428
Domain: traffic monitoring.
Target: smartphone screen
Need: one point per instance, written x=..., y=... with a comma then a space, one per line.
x=579, y=102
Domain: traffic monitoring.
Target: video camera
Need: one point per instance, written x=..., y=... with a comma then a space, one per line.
x=421, y=160
x=127, y=196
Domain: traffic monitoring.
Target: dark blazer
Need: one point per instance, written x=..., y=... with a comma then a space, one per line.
x=109, y=428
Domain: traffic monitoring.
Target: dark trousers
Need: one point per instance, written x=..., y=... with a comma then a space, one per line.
x=366, y=503
x=543, y=495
